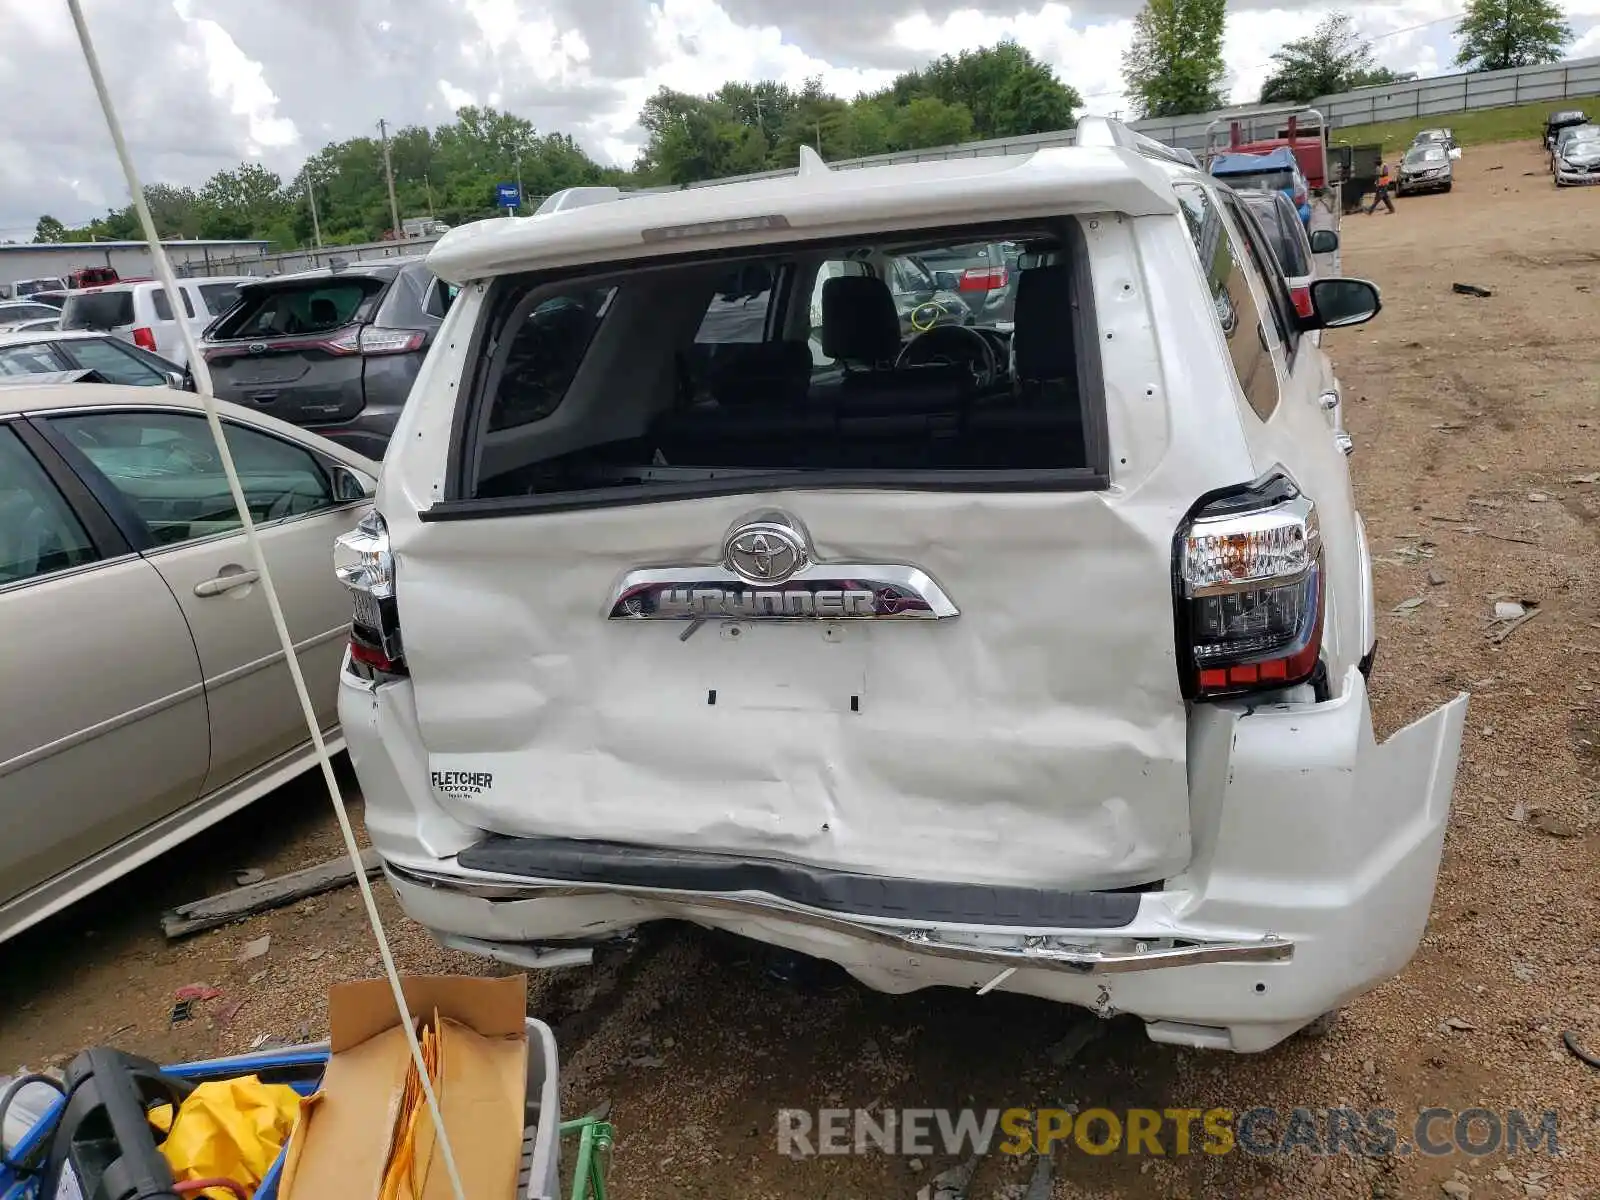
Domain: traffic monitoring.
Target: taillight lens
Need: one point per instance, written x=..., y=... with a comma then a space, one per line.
x=1250, y=582
x=374, y=339
x=1302, y=301
x=364, y=564
x=983, y=279
x=145, y=338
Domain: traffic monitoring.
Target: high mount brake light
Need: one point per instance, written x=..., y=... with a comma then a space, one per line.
x=1250, y=587
x=364, y=564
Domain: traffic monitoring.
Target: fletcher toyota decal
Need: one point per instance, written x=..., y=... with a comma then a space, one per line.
x=769, y=572
x=462, y=783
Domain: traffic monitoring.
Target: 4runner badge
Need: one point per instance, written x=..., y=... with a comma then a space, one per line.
x=769, y=572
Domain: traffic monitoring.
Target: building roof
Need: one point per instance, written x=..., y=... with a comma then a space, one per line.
x=141, y=244
x=817, y=203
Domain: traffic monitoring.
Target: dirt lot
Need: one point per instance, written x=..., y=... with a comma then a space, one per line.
x=1477, y=427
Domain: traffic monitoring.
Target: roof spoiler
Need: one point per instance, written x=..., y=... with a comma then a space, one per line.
x=1104, y=131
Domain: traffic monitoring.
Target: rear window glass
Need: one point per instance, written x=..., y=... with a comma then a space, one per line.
x=163, y=305
x=98, y=310
x=33, y=358
x=219, y=297
x=613, y=382
x=310, y=307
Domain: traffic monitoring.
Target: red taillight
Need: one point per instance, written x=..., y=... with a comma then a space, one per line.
x=1250, y=592
x=1302, y=300
x=983, y=279
x=145, y=338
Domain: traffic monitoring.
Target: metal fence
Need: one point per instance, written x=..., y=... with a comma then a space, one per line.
x=288, y=261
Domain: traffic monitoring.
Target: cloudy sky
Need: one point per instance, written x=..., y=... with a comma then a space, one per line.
x=202, y=84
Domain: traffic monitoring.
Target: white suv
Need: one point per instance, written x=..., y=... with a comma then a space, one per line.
x=140, y=312
x=1029, y=659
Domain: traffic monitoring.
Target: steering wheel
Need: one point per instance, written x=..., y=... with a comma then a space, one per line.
x=952, y=344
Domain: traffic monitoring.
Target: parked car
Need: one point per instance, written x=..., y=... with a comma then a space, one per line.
x=1293, y=249
x=30, y=353
x=1578, y=161
x=810, y=660
x=1557, y=121
x=983, y=275
x=1426, y=167
x=21, y=289
x=55, y=299
x=157, y=699
x=142, y=313
x=335, y=350
x=14, y=312
x=1566, y=134
x=1437, y=137
x=35, y=325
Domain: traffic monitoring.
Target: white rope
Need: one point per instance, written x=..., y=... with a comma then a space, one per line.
x=202, y=379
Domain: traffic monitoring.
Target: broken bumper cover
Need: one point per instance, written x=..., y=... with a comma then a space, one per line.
x=1315, y=856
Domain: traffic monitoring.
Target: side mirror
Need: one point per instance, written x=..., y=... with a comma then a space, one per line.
x=350, y=484
x=1324, y=241
x=180, y=381
x=1455, y=153
x=1336, y=303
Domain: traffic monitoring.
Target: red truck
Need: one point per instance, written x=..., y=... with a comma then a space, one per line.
x=1256, y=131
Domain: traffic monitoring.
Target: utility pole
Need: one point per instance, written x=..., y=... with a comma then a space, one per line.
x=428, y=187
x=388, y=174
x=316, y=226
x=519, y=181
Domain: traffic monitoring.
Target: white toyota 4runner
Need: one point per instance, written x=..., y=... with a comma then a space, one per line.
x=1028, y=655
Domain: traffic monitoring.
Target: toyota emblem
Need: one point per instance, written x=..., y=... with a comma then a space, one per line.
x=767, y=549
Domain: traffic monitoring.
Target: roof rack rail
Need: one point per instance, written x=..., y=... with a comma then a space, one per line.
x=1104, y=131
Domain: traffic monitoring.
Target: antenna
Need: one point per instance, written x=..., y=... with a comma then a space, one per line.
x=202, y=382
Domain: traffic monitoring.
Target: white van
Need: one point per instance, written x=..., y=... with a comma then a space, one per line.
x=141, y=312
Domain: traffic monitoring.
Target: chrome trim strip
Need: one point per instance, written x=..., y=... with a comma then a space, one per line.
x=237, y=673
x=816, y=592
x=109, y=725
x=1035, y=952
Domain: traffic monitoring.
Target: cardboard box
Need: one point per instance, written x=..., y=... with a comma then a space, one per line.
x=347, y=1132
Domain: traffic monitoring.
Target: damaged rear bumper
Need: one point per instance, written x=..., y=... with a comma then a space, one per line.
x=1315, y=852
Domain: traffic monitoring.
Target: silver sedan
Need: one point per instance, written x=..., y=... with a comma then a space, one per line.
x=146, y=696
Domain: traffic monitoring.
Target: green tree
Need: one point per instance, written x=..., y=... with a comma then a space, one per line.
x=1174, y=66
x=1007, y=90
x=1334, y=58
x=1496, y=34
x=175, y=210
x=927, y=122
x=49, y=230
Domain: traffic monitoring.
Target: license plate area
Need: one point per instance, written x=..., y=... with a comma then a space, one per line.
x=800, y=666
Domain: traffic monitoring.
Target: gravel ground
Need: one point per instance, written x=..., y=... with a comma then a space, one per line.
x=1478, y=445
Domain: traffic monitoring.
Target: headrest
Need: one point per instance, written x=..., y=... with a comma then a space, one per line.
x=1042, y=336
x=860, y=323
x=759, y=372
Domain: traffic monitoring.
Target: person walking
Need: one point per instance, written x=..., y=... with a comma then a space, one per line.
x=1380, y=194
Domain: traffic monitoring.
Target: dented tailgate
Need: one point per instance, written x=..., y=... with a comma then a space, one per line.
x=1031, y=732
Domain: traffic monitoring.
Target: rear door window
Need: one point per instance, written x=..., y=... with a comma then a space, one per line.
x=167, y=467
x=310, y=307
x=163, y=306
x=98, y=310
x=31, y=358
x=115, y=362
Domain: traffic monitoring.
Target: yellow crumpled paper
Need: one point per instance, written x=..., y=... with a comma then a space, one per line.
x=228, y=1129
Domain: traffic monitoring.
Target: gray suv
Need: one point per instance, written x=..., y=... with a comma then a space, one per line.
x=334, y=350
